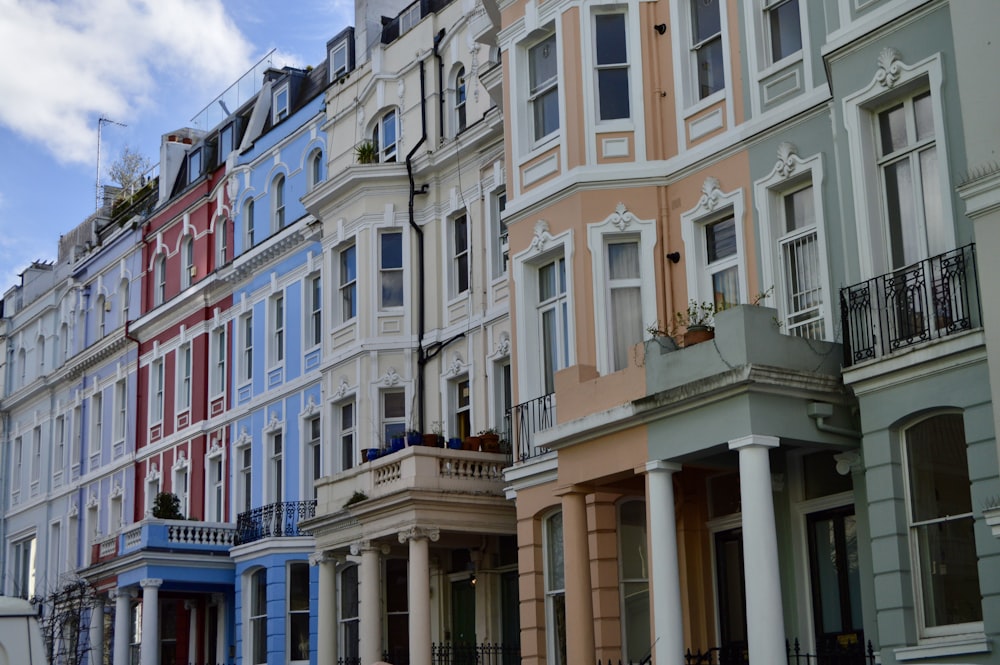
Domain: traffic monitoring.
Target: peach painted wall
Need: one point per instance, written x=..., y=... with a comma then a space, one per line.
x=571, y=88
x=658, y=81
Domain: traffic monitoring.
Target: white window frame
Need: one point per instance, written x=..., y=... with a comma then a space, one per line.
x=544, y=249
x=248, y=219
x=945, y=630
x=181, y=483
x=187, y=261
x=156, y=388
x=460, y=109
x=551, y=591
x=314, y=310
x=221, y=241
x=347, y=434
x=36, y=459
x=714, y=205
x=893, y=81
x=348, y=623
x=276, y=465
x=102, y=324
x=339, y=50
x=766, y=9
x=316, y=175
x=185, y=363
x=544, y=88
x=278, y=202
x=59, y=456
x=215, y=485
x=17, y=469
x=386, y=271
x=499, y=233
x=691, y=66
x=460, y=396
x=124, y=296
x=626, y=65
x=24, y=555
x=195, y=164
x=391, y=425
x=313, y=463
x=277, y=319
x=460, y=257
x=291, y=613
x=252, y=591
x=244, y=458
x=620, y=226
x=622, y=580
x=219, y=352
x=121, y=410
x=160, y=277
x=280, y=106
x=387, y=152
x=347, y=284
x=246, y=346
x=96, y=421
x=791, y=173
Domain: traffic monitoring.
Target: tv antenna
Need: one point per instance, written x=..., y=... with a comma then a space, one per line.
x=100, y=125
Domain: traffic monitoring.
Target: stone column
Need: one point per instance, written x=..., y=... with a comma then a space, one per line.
x=149, y=651
x=370, y=618
x=765, y=620
x=97, y=630
x=576, y=560
x=192, y=607
x=664, y=572
x=123, y=617
x=326, y=613
x=419, y=581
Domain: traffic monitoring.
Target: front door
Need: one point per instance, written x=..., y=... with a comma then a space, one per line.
x=731, y=597
x=836, y=586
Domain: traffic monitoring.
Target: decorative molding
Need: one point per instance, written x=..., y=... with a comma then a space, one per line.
x=621, y=218
x=244, y=439
x=369, y=546
x=273, y=425
x=391, y=377
x=541, y=238
x=456, y=366
x=150, y=582
x=342, y=389
x=502, y=347
x=92, y=500
x=116, y=490
x=888, y=71
x=311, y=408
x=788, y=159
x=181, y=461
x=413, y=533
x=711, y=193
x=153, y=473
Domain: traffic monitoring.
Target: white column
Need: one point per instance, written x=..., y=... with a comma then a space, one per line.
x=97, y=631
x=220, y=627
x=665, y=579
x=192, y=607
x=579, y=590
x=419, y=587
x=371, y=606
x=326, y=614
x=765, y=620
x=149, y=651
x=123, y=616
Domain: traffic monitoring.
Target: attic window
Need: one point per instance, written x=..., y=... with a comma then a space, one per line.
x=280, y=104
x=226, y=141
x=194, y=165
x=338, y=60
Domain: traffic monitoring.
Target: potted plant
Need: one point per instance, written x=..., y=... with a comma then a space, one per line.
x=366, y=152
x=698, y=321
x=489, y=440
x=413, y=437
x=435, y=437
x=166, y=506
x=454, y=443
x=471, y=442
x=371, y=454
x=396, y=443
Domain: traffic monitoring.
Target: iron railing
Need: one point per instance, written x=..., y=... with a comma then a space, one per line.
x=829, y=653
x=447, y=653
x=524, y=420
x=930, y=299
x=276, y=520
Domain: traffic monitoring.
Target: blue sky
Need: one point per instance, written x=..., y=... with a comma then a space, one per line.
x=149, y=64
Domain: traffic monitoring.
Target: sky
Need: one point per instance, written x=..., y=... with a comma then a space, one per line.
x=150, y=65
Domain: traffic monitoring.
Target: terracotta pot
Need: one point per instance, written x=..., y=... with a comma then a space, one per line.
x=471, y=443
x=697, y=335
x=432, y=440
x=490, y=443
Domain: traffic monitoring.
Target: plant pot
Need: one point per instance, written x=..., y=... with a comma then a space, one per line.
x=697, y=335
x=371, y=454
x=432, y=440
x=471, y=443
x=414, y=438
x=454, y=443
x=490, y=443
x=397, y=443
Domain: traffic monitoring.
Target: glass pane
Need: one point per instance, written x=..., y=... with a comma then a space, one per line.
x=623, y=260
x=799, y=210
x=389, y=129
x=554, y=546
x=610, y=30
x=392, y=289
x=938, y=468
x=824, y=538
x=892, y=128
x=637, y=619
x=904, y=245
x=948, y=573
x=298, y=587
x=461, y=235
x=853, y=571
x=349, y=265
x=786, y=35
x=626, y=323
x=395, y=405
x=395, y=585
x=259, y=593
x=923, y=114
x=547, y=282
x=546, y=110
x=632, y=539
x=726, y=288
x=612, y=86
x=710, y=74
x=549, y=346
x=542, y=63
x=706, y=19
x=259, y=638
x=720, y=239
x=938, y=237
x=559, y=619
x=298, y=646
x=392, y=250
x=349, y=593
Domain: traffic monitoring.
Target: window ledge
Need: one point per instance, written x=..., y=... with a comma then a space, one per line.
x=702, y=104
x=945, y=646
x=781, y=65
x=992, y=516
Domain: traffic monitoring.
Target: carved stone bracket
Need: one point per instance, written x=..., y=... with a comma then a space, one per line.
x=430, y=533
x=711, y=193
x=888, y=71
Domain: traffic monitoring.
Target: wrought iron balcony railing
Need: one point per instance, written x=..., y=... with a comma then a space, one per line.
x=523, y=420
x=933, y=298
x=275, y=520
x=829, y=653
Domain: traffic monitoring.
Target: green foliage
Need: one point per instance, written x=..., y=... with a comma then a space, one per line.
x=366, y=152
x=167, y=506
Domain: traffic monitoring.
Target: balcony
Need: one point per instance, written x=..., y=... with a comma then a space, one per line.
x=174, y=535
x=931, y=299
x=526, y=419
x=275, y=520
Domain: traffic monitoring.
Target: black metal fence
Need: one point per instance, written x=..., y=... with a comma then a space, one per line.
x=275, y=520
x=832, y=653
x=525, y=419
x=454, y=654
x=933, y=298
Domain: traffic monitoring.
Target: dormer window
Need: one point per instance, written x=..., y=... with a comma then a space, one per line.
x=226, y=137
x=280, y=104
x=194, y=165
x=338, y=60
x=340, y=51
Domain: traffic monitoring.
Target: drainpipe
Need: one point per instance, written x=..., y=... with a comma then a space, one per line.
x=820, y=411
x=421, y=360
x=437, y=54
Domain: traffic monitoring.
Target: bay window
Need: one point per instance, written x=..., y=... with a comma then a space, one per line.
x=706, y=47
x=391, y=269
x=348, y=283
x=612, y=66
x=784, y=30
x=543, y=87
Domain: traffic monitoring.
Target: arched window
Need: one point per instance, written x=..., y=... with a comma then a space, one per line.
x=102, y=316
x=187, y=262
x=248, y=225
x=64, y=340
x=124, y=296
x=160, y=275
x=460, y=100
x=633, y=561
x=278, y=202
x=40, y=349
x=221, y=241
x=942, y=538
x=384, y=137
x=316, y=167
x=348, y=615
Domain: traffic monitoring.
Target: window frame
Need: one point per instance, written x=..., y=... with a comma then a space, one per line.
x=314, y=311
x=277, y=322
x=537, y=90
x=278, y=202
x=280, y=103
x=157, y=371
x=392, y=270
x=714, y=206
x=599, y=67
x=460, y=396
x=347, y=434
x=24, y=554
x=215, y=486
x=695, y=45
x=392, y=425
x=219, y=356
x=460, y=256
x=347, y=282
x=335, y=71
x=624, y=581
x=296, y=615
x=499, y=232
x=257, y=616
x=276, y=465
x=160, y=279
x=244, y=458
x=246, y=347
x=552, y=591
x=221, y=241
x=196, y=164
x=459, y=110
x=768, y=10
x=96, y=422
x=348, y=625
x=248, y=219
x=187, y=262
x=312, y=429
x=316, y=172
x=386, y=152
x=120, y=430
x=184, y=367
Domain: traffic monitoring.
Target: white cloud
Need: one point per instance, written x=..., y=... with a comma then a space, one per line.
x=71, y=62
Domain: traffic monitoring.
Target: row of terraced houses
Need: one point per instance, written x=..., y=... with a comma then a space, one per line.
x=482, y=216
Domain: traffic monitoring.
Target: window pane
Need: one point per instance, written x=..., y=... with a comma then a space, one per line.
x=298, y=587
x=720, y=239
x=799, y=210
x=392, y=289
x=623, y=260
x=710, y=75
x=542, y=63
x=554, y=545
x=392, y=250
x=938, y=235
x=546, y=108
x=923, y=116
x=938, y=468
x=298, y=646
x=613, y=88
x=892, y=128
x=632, y=536
x=904, y=243
x=610, y=29
x=786, y=36
x=395, y=405
x=948, y=570
x=706, y=19
x=626, y=323
x=726, y=287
